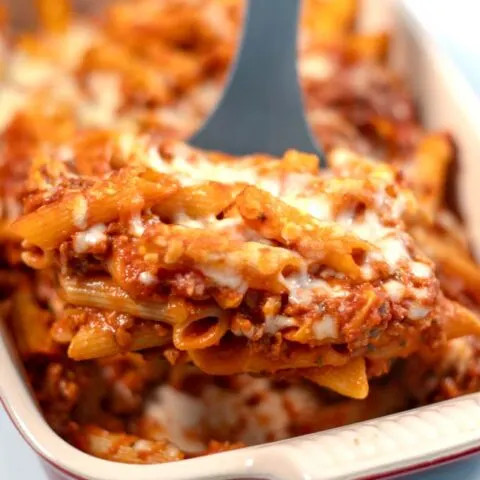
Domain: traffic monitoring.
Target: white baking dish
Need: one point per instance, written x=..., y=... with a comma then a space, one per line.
x=400, y=443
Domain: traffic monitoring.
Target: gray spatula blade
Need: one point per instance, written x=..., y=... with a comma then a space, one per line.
x=262, y=106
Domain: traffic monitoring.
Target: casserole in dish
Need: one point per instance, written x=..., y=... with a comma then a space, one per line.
x=370, y=447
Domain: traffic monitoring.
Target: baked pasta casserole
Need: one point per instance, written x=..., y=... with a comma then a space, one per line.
x=169, y=302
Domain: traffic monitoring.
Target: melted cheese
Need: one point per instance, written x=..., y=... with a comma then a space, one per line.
x=225, y=276
x=106, y=93
x=394, y=251
x=147, y=278
x=191, y=168
x=420, y=293
x=25, y=74
x=459, y=355
x=302, y=288
x=80, y=212
x=420, y=270
x=316, y=67
x=296, y=183
x=184, y=220
x=270, y=185
x=319, y=206
x=83, y=241
x=275, y=323
x=12, y=100
x=178, y=414
x=417, y=312
x=197, y=169
x=127, y=143
x=341, y=156
x=267, y=419
x=27, y=71
x=64, y=153
x=395, y=290
x=79, y=37
x=367, y=271
x=136, y=226
x=325, y=328
x=369, y=228
x=205, y=96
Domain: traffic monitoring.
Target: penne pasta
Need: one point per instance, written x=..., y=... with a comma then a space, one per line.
x=204, y=327
x=31, y=324
x=349, y=380
x=319, y=242
x=98, y=341
x=235, y=355
x=198, y=201
x=460, y=321
x=447, y=258
x=100, y=293
x=223, y=261
x=432, y=160
x=170, y=302
x=51, y=224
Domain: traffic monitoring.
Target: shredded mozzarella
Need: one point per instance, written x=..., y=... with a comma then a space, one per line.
x=78, y=38
x=420, y=270
x=302, y=288
x=459, y=355
x=367, y=271
x=191, y=170
x=394, y=251
x=296, y=183
x=420, y=293
x=107, y=98
x=319, y=206
x=184, y=220
x=65, y=153
x=28, y=71
x=89, y=238
x=270, y=185
x=395, y=290
x=178, y=414
x=224, y=276
x=80, y=212
x=417, y=312
x=142, y=445
x=325, y=328
x=275, y=323
x=12, y=100
x=316, y=67
x=147, y=278
x=136, y=226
